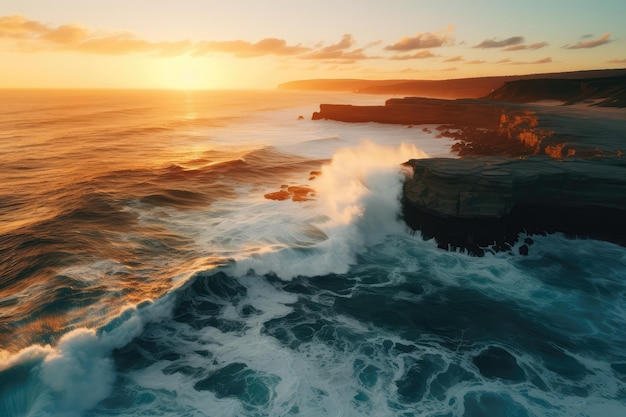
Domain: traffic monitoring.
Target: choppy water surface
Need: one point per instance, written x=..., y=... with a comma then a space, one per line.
x=142, y=272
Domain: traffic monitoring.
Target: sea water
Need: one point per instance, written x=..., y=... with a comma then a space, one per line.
x=144, y=272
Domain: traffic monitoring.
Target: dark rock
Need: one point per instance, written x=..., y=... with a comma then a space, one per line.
x=294, y=192
x=483, y=127
x=479, y=127
x=609, y=91
x=417, y=110
x=495, y=362
x=523, y=250
x=486, y=201
x=502, y=186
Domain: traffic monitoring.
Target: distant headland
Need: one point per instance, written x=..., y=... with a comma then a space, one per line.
x=451, y=88
x=537, y=154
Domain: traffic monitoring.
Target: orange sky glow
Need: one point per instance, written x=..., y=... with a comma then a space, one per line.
x=244, y=44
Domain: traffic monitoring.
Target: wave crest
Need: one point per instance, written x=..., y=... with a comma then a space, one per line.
x=358, y=203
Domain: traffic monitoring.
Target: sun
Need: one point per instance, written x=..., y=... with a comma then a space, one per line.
x=189, y=80
x=187, y=73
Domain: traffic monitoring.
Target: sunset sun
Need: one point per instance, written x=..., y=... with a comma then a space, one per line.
x=187, y=73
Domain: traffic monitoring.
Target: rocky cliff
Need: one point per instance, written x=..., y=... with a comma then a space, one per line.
x=478, y=126
x=606, y=92
x=484, y=202
x=416, y=110
x=536, y=168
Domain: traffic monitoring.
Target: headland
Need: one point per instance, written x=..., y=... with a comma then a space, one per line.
x=536, y=155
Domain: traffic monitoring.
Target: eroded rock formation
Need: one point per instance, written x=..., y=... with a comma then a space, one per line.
x=484, y=202
x=535, y=168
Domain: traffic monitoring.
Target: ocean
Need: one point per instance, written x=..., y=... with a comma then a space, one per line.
x=212, y=253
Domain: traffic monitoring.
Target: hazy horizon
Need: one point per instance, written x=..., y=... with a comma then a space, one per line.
x=319, y=89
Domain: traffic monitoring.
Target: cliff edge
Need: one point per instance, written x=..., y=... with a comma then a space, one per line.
x=524, y=165
x=484, y=202
x=604, y=92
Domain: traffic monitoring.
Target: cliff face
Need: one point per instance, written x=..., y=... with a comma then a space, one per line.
x=477, y=202
x=482, y=127
x=492, y=186
x=609, y=91
x=416, y=110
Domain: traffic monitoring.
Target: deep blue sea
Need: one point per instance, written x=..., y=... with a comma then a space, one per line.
x=145, y=272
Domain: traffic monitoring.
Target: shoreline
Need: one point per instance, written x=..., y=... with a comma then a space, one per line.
x=534, y=167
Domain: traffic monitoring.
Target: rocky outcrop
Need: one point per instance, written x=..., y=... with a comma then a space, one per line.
x=605, y=92
x=479, y=127
x=417, y=110
x=535, y=168
x=484, y=202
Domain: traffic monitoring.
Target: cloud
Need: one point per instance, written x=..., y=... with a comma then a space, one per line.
x=545, y=60
x=245, y=49
x=475, y=61
x=522, y=47
x=66, y=34
x=408, y=70
x=18, y=27
x=35, y=36
x=354, y=55
x=492, y=43
x=346, y=42
x=375, y=43
x=454, y=59
x=339, y=52
x=423, y=40
x=418, y=55
x=616, y=61
x=602, y=40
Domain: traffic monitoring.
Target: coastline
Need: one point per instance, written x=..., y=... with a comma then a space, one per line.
x=538, y=167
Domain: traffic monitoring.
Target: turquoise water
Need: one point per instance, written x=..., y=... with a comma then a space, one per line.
x=143, y=272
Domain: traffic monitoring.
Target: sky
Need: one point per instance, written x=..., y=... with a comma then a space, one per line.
x=235, y=44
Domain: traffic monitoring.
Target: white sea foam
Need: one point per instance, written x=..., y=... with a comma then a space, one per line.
x=77, y=372
x=359, y=200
